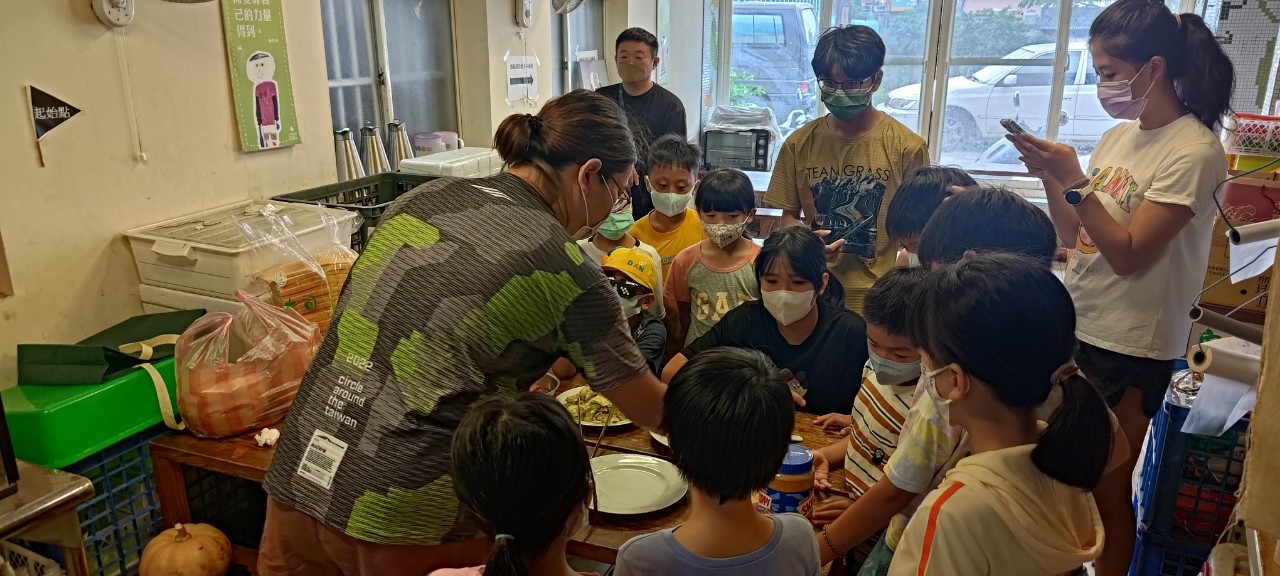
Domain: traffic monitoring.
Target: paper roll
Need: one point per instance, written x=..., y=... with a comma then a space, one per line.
x=1223, y=359
x=1247, y=233
x=1229, y=326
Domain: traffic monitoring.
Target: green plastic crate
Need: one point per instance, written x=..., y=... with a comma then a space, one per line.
x=57, y=426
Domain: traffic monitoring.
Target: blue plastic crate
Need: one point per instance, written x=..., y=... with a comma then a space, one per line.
x=1159, y=556
x=124, y=513
x=1188, y=482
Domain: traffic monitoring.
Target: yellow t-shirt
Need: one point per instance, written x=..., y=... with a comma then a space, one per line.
x=845, y=185
x=669, y=244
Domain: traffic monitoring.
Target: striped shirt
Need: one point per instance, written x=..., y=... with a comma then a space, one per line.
x=878, y=414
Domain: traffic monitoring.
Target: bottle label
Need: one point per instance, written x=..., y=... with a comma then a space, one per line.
x=782, y=502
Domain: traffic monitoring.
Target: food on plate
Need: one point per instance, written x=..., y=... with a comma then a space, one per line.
x=592, y=408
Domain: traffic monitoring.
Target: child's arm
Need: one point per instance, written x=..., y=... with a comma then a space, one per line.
x=684, y=309
x=869, y=514
x=825, y=460
x=673, y=366
x=652, y=342
x=674, y=339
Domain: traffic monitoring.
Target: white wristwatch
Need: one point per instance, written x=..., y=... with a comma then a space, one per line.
x=1077, y=192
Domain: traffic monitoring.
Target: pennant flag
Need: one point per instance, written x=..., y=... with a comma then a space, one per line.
x=48, y=112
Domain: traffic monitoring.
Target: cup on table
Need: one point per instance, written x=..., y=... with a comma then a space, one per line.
x=428, y=143
x=451, y=140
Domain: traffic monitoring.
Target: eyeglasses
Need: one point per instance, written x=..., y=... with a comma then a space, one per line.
x=621, y=198
x=833, y=85
x=625, y=288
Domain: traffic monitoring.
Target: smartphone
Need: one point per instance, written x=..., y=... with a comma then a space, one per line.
x=1012, y=126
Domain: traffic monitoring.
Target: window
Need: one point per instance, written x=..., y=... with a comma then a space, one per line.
x=771, y=49
x=953, y=70
x=758, y=29
x=392, y=64
x=585, y=27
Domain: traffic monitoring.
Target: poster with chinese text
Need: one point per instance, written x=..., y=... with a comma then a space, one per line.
x=259, y=63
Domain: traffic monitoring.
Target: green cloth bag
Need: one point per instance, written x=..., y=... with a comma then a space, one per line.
x=106, y=355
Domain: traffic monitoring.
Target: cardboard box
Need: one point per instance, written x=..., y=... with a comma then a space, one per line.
x=1226, y=294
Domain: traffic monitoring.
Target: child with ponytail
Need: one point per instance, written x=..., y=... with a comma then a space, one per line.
x=500, y=452
x=996, y=335
x=1140, y=219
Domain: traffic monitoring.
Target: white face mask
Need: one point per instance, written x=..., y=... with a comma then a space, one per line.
x=931, y=388
x=724, y=234
x=630, y=306
x=669, y=203
x=787, y=307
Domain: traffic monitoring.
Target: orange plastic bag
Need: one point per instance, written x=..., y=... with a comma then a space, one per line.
x=240, y=372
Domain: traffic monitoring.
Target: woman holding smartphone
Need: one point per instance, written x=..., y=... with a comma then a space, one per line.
x=1140, y=219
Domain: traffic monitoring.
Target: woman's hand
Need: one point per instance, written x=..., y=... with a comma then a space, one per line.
x=828, y=510
x=821, y=472
x=1048, y=161
x=834, y=421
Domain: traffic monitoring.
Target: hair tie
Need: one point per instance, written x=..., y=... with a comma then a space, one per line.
x=1065, y=371
x=500, y=537
x=535, y=123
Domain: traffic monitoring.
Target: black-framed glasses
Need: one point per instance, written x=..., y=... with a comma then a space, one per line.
x=828, y=85
x=625, y=288
x=621, y=198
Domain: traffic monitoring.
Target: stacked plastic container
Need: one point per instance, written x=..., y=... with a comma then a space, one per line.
x=200, y=261
x=1187, y=490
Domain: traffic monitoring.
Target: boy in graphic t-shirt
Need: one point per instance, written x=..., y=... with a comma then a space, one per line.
x=839, y=172
x=716, y=275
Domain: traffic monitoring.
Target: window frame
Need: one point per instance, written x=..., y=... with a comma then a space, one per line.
x=384, y=104
x=935, y=64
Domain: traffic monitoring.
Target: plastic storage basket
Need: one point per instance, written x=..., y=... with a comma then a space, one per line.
x=124, y=513
x=1254, y=135
x=1189, y=482
x=1158, y=556
x=369, y=196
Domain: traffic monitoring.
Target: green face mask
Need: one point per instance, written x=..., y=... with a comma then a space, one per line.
x=616, y=225
x=847, y=104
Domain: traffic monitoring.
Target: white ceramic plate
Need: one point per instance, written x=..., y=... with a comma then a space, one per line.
x=660, y=438
x=566, y=398
x=636, y=484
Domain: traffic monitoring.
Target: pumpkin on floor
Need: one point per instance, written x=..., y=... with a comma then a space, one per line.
x=187, y=550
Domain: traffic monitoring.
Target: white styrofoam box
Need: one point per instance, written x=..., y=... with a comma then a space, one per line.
x=158, y=297
x=461, y=163
x=206, y=253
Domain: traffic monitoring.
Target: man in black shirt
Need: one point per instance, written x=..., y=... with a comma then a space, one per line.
x=653, y=110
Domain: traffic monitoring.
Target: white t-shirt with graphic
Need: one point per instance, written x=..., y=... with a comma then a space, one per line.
x=1145, y=313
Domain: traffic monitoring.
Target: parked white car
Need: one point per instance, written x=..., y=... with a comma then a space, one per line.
x=977, y=102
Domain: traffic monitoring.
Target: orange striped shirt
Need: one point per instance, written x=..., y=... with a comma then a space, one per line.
x=877, y=418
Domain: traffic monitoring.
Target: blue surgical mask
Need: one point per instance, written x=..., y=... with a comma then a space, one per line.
x=890, y=373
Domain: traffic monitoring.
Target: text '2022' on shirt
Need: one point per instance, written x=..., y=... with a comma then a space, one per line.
x=434, y=317
x=828, y=364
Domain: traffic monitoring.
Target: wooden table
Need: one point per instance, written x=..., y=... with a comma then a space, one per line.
x=600, y=540
x=240, y=456
x=44, y=510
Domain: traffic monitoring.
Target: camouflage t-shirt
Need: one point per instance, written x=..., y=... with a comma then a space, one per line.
x=466, y=288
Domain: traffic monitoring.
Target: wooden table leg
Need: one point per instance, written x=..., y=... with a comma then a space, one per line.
x=171, y=487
